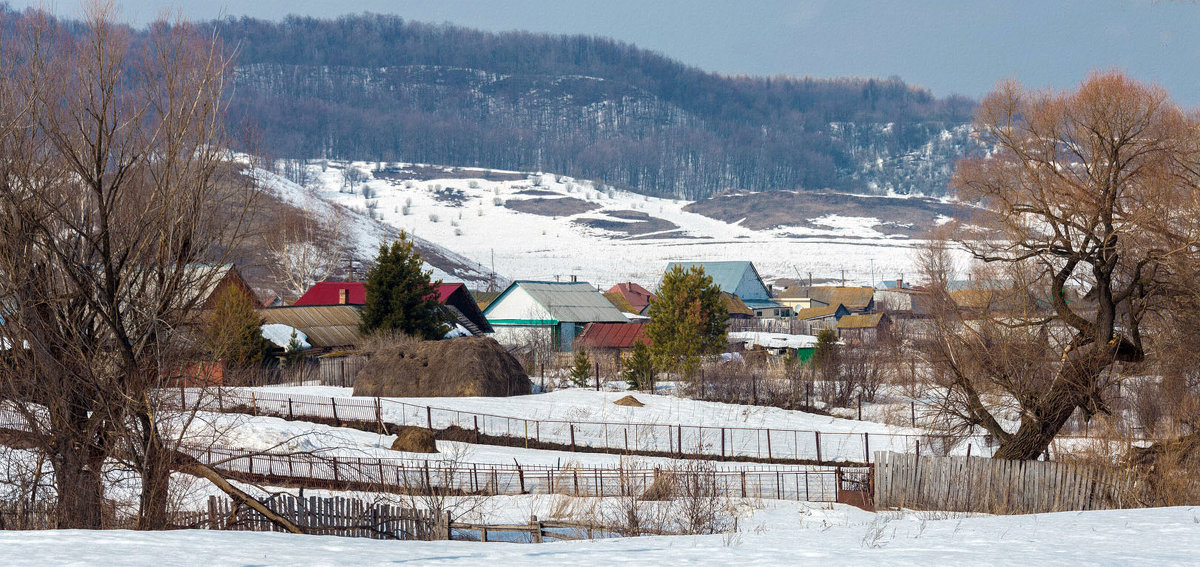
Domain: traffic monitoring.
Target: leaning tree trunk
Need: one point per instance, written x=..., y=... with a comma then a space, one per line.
x=1075, y=382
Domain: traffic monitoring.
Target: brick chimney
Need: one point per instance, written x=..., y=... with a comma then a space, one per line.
x=343, y=296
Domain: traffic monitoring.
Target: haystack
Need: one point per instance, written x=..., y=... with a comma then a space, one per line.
x=414, y=440
x=629, y=401
x=469, y=366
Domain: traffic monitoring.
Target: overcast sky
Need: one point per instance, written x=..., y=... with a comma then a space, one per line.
x=950, y=46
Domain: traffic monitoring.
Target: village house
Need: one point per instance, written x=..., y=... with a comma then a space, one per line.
x=454, y=297
x=638, y=297
x=741, y=279
x=815, y=319
x=554, y=311
x=856, y=299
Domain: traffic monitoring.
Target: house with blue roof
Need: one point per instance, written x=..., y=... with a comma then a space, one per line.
x=740, y=279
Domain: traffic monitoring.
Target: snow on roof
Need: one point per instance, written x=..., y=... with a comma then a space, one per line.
x=281, y=335
x=772, y=340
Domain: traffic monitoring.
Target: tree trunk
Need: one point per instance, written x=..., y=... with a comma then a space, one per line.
x=1075, y=382
x=80, y=489
x=156, y=480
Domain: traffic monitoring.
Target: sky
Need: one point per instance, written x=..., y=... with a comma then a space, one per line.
x=948, y=46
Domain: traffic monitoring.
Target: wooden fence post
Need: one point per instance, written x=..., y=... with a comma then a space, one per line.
x=428, y=418
x=535, y=529
x=476, y=429
x=253, y=405
x=867, y=447
x=572, y=427
x=333, y=402
x=817, y=436
x=769, y=457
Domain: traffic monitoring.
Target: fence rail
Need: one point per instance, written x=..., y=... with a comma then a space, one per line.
x=331, y=516
x=729, y=443
x=996, y=486
x=407, y=476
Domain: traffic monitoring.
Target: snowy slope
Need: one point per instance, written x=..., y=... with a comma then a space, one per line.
x=786, y=534
x=623, y=237
x=364, y=235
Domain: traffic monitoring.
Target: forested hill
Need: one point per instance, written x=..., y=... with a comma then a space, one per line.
x=383, y=88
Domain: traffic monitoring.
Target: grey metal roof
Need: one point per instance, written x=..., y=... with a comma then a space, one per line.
x=576, y=302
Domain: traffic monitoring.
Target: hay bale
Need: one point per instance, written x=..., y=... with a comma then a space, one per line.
x=468, y=366
x=663, y=487
x=413, y=439
x=629, y=401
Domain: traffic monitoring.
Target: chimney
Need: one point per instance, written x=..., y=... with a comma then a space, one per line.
x=343, y=296
x=574, y=278
x=900, y=282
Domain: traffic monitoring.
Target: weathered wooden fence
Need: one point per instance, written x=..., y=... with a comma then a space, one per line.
x=996, y=486
x=447, y=477
x=328, y=516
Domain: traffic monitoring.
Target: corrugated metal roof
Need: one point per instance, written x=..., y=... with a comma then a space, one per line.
x=612, y=335
x=760, y=304
x=620, y=302
x=328, y=293
x=576, y=302
x=325, y=325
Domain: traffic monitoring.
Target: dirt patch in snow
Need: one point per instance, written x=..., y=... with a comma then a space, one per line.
x=772, y=209
x=631, y=223
x=562, y=207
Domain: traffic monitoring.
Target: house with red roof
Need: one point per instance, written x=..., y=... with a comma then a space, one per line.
x=453, y=296
x=637, y=296
x=612, y=336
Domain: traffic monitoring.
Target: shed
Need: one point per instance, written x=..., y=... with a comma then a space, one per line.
x=818, y=318
x=856, y=299
x=863, y=328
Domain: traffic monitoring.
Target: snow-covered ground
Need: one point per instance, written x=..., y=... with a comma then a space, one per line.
x=475, y=218
x=783, y=534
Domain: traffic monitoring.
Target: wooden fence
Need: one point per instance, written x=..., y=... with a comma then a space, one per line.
x=326, y=516
x=716, y=443
x=406, y=476
x=995, y=486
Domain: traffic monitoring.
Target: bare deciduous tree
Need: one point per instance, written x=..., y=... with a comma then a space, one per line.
x=1093, y=189
x=117, y=202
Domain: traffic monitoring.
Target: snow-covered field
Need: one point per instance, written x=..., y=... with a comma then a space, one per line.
x=783, y=534
x=477, y=219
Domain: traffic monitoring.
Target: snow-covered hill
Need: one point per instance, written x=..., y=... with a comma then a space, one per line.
x=547, y=227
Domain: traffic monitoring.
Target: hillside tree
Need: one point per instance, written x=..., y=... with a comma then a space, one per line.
x=400, y=295
x=687, y=320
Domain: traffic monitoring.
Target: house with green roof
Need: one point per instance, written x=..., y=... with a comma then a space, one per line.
x=741, y=279
x=548, y=311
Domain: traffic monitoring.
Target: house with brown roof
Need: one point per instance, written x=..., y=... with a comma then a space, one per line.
x=863, y=328
x=815, y=319
x=856, y=299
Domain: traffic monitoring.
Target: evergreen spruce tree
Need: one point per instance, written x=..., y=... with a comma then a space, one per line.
x=687, y=321
x=235, y=330
x=639, y=369
x=400, y=296
x=581, y=371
